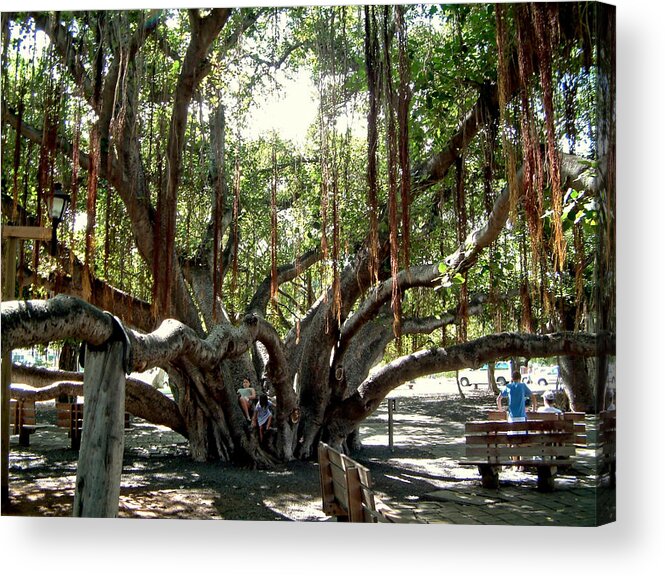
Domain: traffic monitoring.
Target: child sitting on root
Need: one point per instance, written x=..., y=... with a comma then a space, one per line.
x=246, y=397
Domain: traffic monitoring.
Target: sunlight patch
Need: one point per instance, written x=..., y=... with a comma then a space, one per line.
x=293, y=508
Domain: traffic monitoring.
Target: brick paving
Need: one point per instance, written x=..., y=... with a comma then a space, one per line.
x=515, y=505
x=581, y=497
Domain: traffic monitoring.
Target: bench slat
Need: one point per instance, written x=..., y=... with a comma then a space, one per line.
x=27, y=412
x=507, y=439
x=574, y=416
x=491, y=452
x=354, y=495
x=505, y=462
x=580, y=440
x=329, y=505
x=578, y=432
x=339, y=483
x=535, y=425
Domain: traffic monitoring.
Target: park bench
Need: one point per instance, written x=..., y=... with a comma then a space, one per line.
x=577, y=417
x=23, y=419
x=69, y=414
x=606, y=444
x=346, y=490
x=545, y=442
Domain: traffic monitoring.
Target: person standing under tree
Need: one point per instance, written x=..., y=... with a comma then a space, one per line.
x=517, y=393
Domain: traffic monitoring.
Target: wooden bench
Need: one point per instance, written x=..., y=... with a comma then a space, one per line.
x=577, y=417
x=606, y=444
x=545, y=442
x=70, y=415
x=346, y=490
x=23, y=419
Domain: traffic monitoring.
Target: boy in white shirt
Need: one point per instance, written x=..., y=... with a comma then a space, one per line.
x=548, y=398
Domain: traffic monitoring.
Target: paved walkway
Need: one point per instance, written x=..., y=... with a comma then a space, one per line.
x=580, y=498
x=427, y=449
x=515, y=504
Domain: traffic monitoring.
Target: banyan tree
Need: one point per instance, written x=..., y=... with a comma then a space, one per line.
x=452, y=203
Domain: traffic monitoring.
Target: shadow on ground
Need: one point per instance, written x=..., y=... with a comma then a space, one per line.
x=420, y=475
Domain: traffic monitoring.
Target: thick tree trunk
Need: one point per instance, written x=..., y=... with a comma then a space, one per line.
x=491, y=380
x=576, y=383
x=69, y=357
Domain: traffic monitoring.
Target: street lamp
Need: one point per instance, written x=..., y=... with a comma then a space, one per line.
x=58, y=205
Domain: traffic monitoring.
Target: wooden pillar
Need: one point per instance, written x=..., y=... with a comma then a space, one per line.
x=103, y=435
x=10, y=237
x=9, y=278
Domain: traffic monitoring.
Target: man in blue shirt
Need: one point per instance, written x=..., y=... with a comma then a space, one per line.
x=517, y=392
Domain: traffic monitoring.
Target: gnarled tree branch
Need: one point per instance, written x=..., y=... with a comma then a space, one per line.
x=37, y=321
x=141, y=399
x=370, y=393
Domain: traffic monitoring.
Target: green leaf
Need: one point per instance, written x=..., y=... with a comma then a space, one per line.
x=571, y=194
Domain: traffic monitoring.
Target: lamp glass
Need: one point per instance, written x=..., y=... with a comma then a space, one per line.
x=59, y=204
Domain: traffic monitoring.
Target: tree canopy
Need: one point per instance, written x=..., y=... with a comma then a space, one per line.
x=452, y=201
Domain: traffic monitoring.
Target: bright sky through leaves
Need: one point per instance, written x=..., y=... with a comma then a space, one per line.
x=288, y=112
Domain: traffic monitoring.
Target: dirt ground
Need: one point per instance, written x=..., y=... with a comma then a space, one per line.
x=161, y=481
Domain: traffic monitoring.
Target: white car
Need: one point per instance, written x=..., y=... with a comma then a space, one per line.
x=502, y=375
x=544, y=375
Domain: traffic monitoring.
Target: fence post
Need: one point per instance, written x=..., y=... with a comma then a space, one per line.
x=103, y=434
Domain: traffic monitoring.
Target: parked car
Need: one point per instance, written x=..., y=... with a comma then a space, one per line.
x=502, y=374
x=543, y=375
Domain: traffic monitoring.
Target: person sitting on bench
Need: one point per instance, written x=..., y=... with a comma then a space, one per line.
x=548, y=398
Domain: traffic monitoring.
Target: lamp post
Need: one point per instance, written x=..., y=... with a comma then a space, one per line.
x=57, y=206
x=11, y=235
